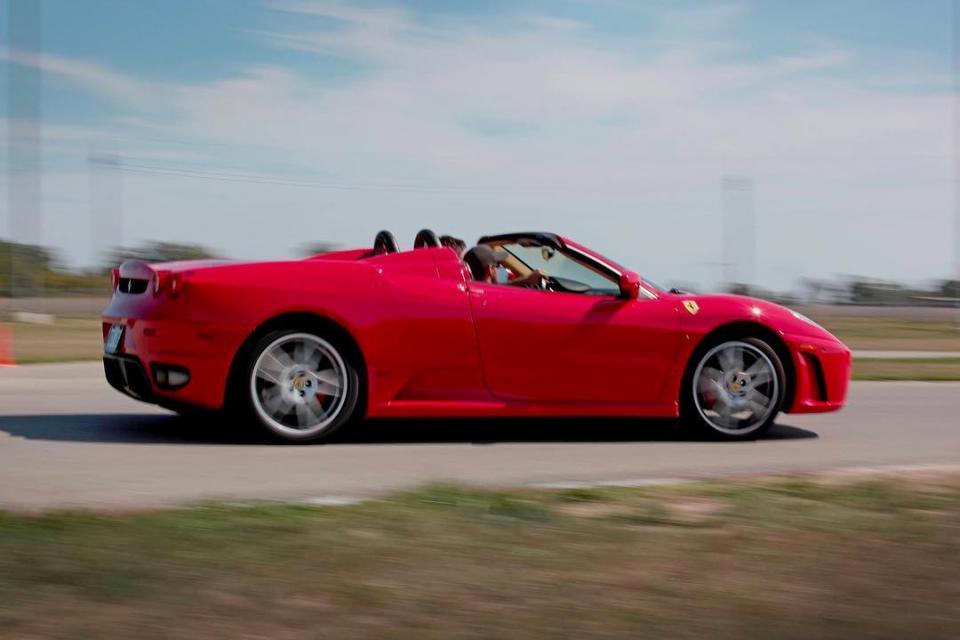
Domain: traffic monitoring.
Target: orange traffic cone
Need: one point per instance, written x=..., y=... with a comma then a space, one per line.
x=6, y=346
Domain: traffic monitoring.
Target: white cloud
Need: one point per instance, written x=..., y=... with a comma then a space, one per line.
x=383, y=18
x=553, y=23
x=710, y=18
x=90, y=75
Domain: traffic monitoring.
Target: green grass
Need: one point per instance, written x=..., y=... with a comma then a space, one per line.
x=787, y=558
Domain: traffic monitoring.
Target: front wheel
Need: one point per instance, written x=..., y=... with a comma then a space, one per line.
x=300, y=386
x=736, y=389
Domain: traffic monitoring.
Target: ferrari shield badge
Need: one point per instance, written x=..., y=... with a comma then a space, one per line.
x=691, y=306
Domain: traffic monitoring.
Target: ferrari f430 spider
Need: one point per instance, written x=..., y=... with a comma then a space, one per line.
x=544, y=327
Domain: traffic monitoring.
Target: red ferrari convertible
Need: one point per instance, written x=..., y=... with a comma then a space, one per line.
x=551, y=328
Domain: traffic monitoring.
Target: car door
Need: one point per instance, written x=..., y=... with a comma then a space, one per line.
x=553, y=347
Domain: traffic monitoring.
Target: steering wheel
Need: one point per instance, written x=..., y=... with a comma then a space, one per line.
x=554, y=283
x=543, y=283
x=426, y=238
x=385, y=243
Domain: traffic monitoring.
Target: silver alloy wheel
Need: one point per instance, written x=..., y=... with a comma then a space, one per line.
x=299, y=385
x=735, y=388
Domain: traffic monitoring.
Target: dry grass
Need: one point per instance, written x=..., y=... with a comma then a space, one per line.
x=785, y=559
x=914, y=369
x=66, y=340
x=893, y=329
x=76, y=333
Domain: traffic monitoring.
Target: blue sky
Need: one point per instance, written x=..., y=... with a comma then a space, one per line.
x=255, y=126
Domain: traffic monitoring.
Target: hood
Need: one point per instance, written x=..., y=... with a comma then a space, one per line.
x=723, y=307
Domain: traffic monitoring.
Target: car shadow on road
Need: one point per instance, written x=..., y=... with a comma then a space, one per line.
x=536, y=430
x=172, y=429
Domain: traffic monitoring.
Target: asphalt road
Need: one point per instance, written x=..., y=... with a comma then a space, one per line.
x=68, y=440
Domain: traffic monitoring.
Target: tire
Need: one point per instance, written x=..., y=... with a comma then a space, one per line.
x=299, y=385
x=734, y=389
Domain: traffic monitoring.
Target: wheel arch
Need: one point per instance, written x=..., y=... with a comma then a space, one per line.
x=299, y=320
x=745, y=329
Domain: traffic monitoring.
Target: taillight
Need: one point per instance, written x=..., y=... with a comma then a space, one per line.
x=176, y=285
x=169, y=283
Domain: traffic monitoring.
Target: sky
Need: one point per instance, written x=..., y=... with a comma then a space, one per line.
x=258, y=126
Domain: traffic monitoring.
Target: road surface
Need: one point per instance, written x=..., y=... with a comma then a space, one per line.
x=67, y=440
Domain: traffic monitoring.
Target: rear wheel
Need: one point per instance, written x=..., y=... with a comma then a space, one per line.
x=735, y=389
x=300, y=386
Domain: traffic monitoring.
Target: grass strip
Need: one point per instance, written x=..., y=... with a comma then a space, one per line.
x=785, y=558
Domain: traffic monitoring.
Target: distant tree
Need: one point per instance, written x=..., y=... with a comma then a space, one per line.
x=22, y=267
x=869, y=291
x=742, y=289
x=29, y=270
x=950, y=288
x=318, y=248
x=814, y=289
x=159, y=252
x=738, y=288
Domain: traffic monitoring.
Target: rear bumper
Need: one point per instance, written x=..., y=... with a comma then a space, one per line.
x=203, y=349
x=127, y=375
x=822, y=369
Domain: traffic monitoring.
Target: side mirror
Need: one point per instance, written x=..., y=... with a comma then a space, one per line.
x=630, y=286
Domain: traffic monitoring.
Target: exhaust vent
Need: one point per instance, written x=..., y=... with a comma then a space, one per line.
x=132, y=285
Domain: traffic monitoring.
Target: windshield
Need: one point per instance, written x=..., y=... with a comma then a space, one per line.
x=563, y=267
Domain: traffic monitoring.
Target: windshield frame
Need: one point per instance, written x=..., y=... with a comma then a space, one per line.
x=583, y=254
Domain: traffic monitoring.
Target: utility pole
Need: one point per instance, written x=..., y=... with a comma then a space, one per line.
x=956, y=161
x=24, y=115
x=106, y=203
x=739, y=231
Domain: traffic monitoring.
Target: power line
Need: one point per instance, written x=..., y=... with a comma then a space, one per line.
x=261, y=179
